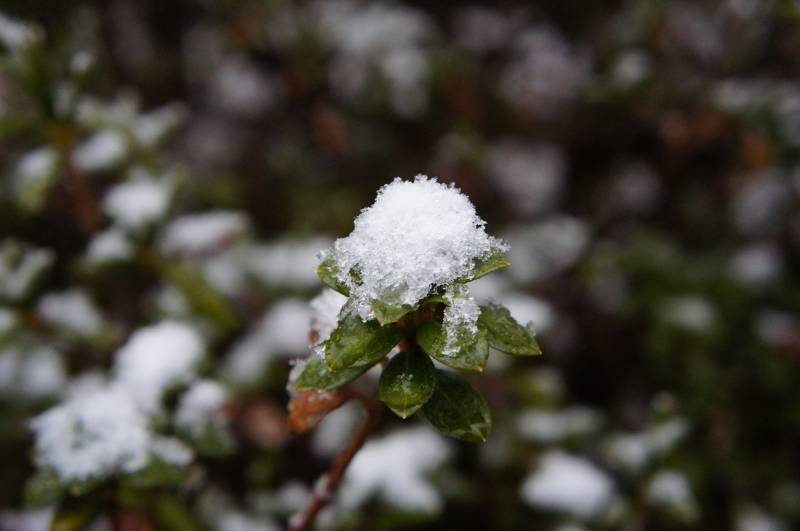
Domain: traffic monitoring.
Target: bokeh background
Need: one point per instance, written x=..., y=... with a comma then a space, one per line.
x=187, y=160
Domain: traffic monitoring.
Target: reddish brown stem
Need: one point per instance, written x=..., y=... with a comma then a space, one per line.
x=328, y=483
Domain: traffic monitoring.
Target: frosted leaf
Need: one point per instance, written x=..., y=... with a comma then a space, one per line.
x=155, y=358
x=200, y=407
x=197, y=234
x=91, y=436
x=325, y=309
x=394, y=468
x=417, y=235
x=568, y=484
x=138, y=201
x=460, y=320
x=72, y=311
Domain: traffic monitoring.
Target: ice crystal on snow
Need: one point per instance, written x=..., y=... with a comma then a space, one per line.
x=417, y=235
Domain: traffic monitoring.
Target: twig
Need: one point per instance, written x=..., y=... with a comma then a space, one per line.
x=329, y=482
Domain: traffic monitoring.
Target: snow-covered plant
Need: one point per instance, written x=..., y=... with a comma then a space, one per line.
x=405, y=270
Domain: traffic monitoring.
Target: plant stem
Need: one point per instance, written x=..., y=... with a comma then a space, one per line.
x=329, y=482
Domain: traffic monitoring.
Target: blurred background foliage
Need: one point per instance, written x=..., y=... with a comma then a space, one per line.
x=186, y=160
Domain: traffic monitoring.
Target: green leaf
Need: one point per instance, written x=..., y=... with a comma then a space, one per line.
x=387, y=314
x=458, y=410
x=316, y=376
x=505, y=334
x=328, y=272
x=201, y=296
x=357, y=343
x=471, y=356
x=407, y=382
x=495, y=259
x=43, y=488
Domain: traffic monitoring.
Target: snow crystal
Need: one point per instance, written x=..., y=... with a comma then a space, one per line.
x=93, y=435
x=551, y=426
x=109, y=245
x=325, y=309
x=394, y=468
x=71, y=310
x=200, y=406
x=282, y=331
x=569, y=484
x=416, y=235
x=203, y=233
x=460, y=319
x=102, y=151
x=138, y=201
x=155, y=358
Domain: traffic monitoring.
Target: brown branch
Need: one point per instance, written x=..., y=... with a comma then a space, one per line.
x=328, y=483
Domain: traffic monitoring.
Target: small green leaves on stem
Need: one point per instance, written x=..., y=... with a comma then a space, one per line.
x=387, y=313
x=494, y=260
x=457, y=410
x=316, y=376
x=329, y=272
x=505, y=334
x=471, y=356
x=356, y=343
x=407, y=382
